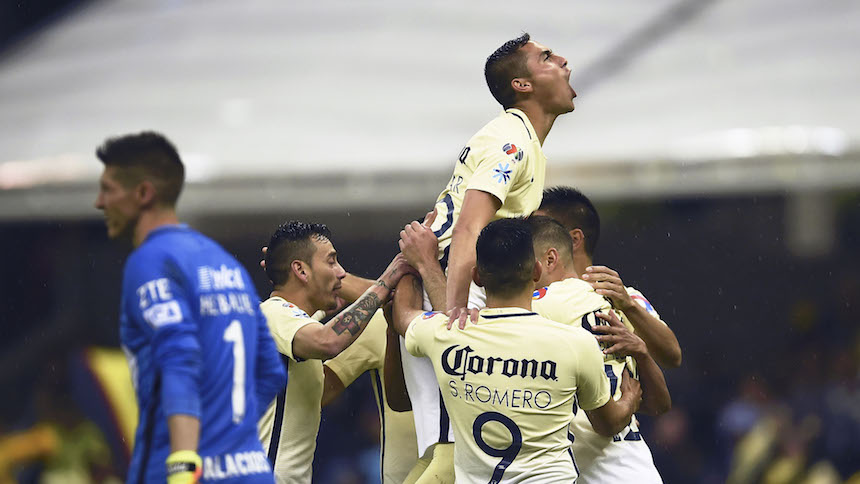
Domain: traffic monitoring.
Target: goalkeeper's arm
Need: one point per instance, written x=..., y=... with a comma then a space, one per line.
x=183, y=464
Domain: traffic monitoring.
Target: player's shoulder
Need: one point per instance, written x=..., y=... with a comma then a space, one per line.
x=640, y=299
x=506, y=128
x=279, y=308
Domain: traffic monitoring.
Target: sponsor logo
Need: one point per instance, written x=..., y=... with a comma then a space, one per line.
x=458, y=361
x=502, y=173
x=539, y=293
x=163, y=313
x=644, y=303
x=219, y=279
x=512, y=150
x=429, y=314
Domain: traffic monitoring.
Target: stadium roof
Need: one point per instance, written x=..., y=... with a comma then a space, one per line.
x=348, y=96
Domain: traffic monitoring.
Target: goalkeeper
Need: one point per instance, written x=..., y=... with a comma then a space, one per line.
x=202, y=361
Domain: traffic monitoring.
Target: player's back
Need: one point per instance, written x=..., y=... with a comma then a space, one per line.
x=508, y=383
x=190, y=311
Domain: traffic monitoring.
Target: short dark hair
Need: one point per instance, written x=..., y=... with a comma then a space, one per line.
x=146, y=156
x=292, y=241
x=505, y=257
x=548, y=232
x=504, y=65
x=574, y=211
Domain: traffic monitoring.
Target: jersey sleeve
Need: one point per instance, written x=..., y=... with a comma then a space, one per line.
x=284, y=321
x=498, y=166
x=591, y=381
x=640, y=299
x=419, y=335
x=271, y=376
x=365, y=353
x=160, y=299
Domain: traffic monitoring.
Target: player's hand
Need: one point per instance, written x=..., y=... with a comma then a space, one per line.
x=184, y=467
x=607, y=282
x=398, y=268
x=263, y=260
x=460, y=315
x=631, y=389
x=429, y=218
x=419, y=244
x=616, y=338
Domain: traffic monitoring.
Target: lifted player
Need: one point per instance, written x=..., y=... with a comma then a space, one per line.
x=499, y=174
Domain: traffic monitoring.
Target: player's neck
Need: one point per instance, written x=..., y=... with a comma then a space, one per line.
x=295, y=294
x=522, y=300
x=150, y=220
x=580, y=262
x=541, y=120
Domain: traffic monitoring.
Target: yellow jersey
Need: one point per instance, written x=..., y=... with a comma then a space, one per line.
x=288, y=429
x=624, y=457
x=508, y=383
x=504, y=159
x=399, y=449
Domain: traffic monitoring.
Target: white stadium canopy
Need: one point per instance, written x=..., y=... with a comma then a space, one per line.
x=339, y=104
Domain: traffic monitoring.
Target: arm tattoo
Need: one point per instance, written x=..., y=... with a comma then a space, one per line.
x=354, y=317
x=383, y=284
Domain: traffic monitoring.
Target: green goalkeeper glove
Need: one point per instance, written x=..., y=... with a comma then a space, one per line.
x=184, y=467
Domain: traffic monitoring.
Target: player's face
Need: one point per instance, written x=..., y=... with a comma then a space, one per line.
x=118, y=204
x=325, y=276
x=550, y=77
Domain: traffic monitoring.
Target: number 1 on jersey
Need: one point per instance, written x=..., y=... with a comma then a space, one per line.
x=233, y=334
x=507, y=454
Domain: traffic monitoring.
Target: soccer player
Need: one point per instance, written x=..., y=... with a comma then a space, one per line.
x=302, y=265
x=201, y=357
x=398, y=447
x=499, y=174
x=562, y=297
x=625, y=456
x=509, y=381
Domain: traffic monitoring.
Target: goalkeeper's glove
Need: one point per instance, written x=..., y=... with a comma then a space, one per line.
x=184, y=467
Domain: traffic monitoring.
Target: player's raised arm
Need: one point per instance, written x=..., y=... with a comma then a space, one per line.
x=660, y=339
x=322, y=341
x=621, y=341
x=408, y=301
x=418, y=244
x=478, y=210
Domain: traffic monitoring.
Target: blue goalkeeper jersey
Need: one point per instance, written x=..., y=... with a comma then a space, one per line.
x=197, y=345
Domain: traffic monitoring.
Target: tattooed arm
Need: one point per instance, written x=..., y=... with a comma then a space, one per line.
x=323, y=341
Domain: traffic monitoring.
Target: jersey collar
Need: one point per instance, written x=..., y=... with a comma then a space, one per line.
x=164, y=229
x=525, y=120
x=499, y=313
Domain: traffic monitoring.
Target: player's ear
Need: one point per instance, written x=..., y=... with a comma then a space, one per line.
x=578, y=239
x=476, y=277
x=537, y=271
x=521, y=85
x=299, y=270
x=551, y=258
x=145, y=193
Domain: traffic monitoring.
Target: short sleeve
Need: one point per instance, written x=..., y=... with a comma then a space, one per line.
x=498, y=167
x=365, y=353
x=640, y=299
x=591, y=381
x=420, y=334
x=285, y=320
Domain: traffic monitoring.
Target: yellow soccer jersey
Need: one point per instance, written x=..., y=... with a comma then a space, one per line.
x=288, y=429
x=574, y=302
x=505, y=159
x=508, y=383
x=399, y=450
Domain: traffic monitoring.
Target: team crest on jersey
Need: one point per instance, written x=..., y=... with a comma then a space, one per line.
x=512, y=150
x=295, y=311
x=429, y=314
x=539, y=293
x=502, y=173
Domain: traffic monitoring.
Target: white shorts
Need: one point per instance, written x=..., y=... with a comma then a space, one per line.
x=432, y=424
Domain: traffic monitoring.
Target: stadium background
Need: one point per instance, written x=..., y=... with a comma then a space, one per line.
x=718, y=138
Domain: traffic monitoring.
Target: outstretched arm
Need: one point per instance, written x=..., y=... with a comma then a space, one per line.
x=477, y=211
x=660, y=339
x=419, y=245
